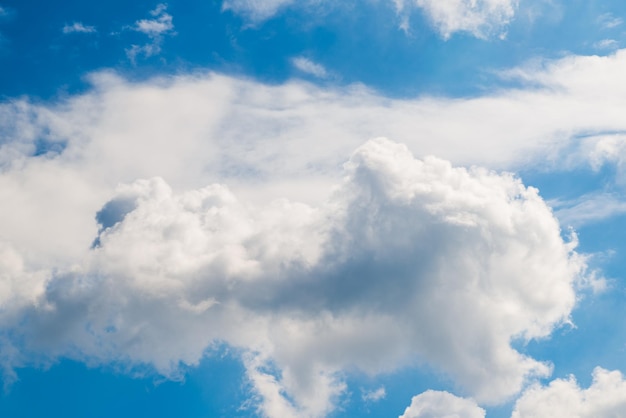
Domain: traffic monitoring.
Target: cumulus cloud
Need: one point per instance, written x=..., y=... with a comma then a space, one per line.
x=409, y=260
x=433, y=404
x=78, y=27
x=406, y=259
x=606, y=397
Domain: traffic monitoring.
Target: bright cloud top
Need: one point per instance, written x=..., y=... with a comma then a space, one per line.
x=392, y=269
x=606, y=398
x=433, y=404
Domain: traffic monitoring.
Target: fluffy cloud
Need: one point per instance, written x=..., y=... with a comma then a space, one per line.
x=432, y=404
x=606, y=397
x=409, y=259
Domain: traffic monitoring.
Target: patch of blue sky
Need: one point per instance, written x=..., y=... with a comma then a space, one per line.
x=361, y=44
x=216, y=387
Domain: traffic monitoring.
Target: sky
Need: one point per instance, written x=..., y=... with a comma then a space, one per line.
x=306, y=209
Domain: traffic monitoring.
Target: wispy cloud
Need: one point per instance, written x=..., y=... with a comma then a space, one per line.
x=481, y=19
x=374, y=395
x=309, y=67
x=606, y=44
x=609, y=21
x=161, y=24
x=78, y=27
x=156, y=28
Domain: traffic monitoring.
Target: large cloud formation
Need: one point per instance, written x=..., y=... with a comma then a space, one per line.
x=406, y=260
x=409, y=260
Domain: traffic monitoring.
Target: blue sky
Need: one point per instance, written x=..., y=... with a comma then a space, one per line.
x=277, y=208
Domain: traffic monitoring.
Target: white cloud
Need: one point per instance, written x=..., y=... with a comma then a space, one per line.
x=606, y=44
x=315, y=283
x=161, y=24
x=309, y=67
x=433, y=404
x=256, y=10
x=609, y=21
x=606, y=398
x=374, y=395
x=589, y=208
x=156, y=28
x=316, y=290
x=480, y=18
x=78, y=27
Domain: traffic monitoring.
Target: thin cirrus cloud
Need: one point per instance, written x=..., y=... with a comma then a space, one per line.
x=134, y=260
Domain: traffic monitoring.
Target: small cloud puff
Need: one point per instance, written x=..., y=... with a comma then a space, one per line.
x=374, y=395
x=434, y=404
x=155, y=29
x=78, y=27
x=161, y=24
x=478, y=18
x=606, y=397
x=309, y=67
